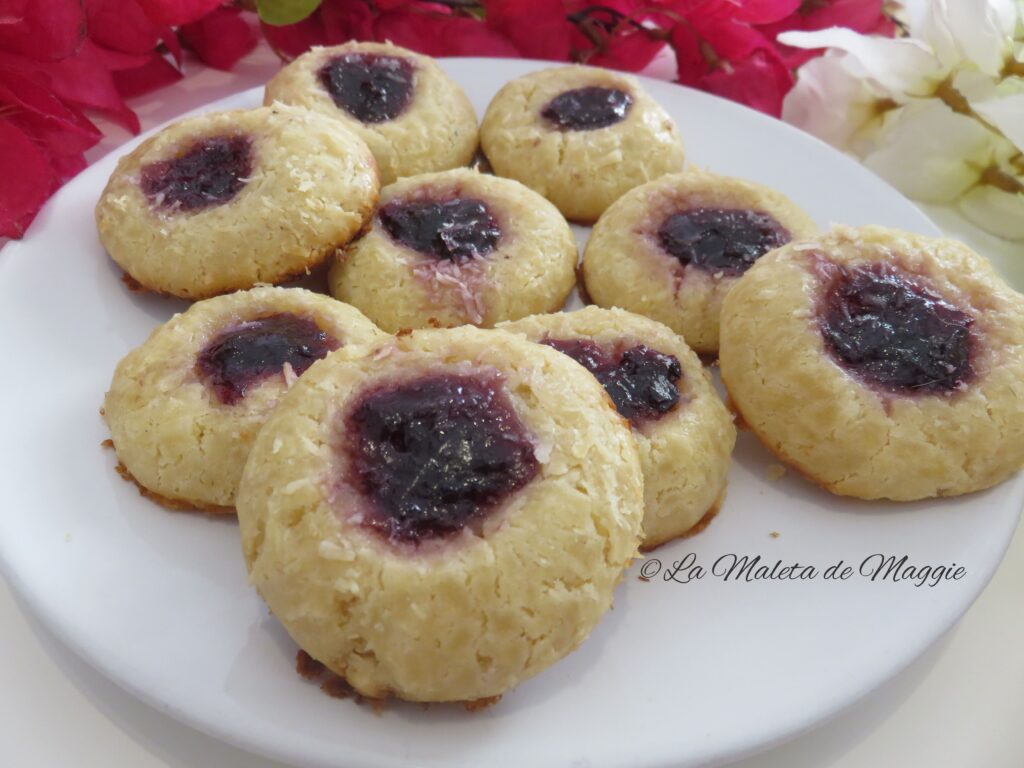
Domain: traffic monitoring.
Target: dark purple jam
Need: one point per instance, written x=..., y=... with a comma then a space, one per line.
x=253, y=351
x=210, y=173
x=890, y=330
x=585, y=109
x=436, y=454
x=371, y=87
x=643, y=383
x=721, y=240
x=450, y=230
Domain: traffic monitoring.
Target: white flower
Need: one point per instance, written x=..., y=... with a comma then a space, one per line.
x=938, y=113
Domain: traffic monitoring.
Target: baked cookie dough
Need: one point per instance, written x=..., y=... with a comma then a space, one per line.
x=444, y=517
x=184, y=408
x=672, y=249
x=683, y=430
x=224, y=201
x=880, y=364
x=580, y=136
x=457, y=247
x=414, y=118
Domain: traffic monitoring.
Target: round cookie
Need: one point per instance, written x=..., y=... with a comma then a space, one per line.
x=457, y=247
x=414, y=118
x=580, y=136
x=880, y=364
x=224, y=201
x=683, y=430
x=184, y=407
x=672, y=249
x=444, y=517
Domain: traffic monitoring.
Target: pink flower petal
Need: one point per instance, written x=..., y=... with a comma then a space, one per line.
x=173, y=12
x=86, y=81
x=335, y=21
x=765, y=11
x=48, y=29
x=345, y=20
x=629, y=49
x=60, y=128
x=156, y=73
x=68, y=166
x=220, y=38
x=12, y=11
x=760, y=81
x=27, y=181
x=690, y=62
x=538, y=28
x=121, y=25
x=441, y=35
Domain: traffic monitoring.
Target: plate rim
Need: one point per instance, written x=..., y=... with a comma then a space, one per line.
x=45, y=611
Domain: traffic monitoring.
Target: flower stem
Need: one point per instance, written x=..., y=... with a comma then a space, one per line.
x=1000, y=179
x=952, y=98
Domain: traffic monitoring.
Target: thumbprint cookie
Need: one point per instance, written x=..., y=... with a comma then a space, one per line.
x=683, y=430
x=880, y=364
x=457, y=247
x=443, y=517
x=672, y=249
x=580, y=136
x=184, y=408
x=414, y=118
x=224, y=201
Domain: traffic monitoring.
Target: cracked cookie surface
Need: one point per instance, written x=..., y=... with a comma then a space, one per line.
x=411, y=114
x=480, y=598
x=185, y=406
x=672, y=249
x=457, y=247
x=580, y=136
x=683, y=430
x=186, y=212
x=880, y=364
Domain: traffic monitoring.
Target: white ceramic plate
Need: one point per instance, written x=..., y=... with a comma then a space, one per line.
x=677, y=674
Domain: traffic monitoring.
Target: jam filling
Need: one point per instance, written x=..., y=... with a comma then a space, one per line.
x=257, y=349
x=210, y=173
x=721, y=240
x=449, y=230
x=643, y=383
x=436, y=454
x=585, y=109
x=891, y=331
x=371, y=87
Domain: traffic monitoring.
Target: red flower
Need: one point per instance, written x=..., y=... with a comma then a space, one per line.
x=57, y=127
x=720, y=51
x=220, y=38
x=122, y=25
x=610, y=34
x=431, y=28
x=441, y=34
x=169, y=12
x=44, y=30
x=29, y=178
x=86, y=80
x=41, y=143
x=155, y=73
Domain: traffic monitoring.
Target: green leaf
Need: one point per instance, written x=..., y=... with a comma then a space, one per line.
x=282, y=12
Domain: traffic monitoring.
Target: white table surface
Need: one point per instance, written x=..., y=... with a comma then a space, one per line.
x=961, y=705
